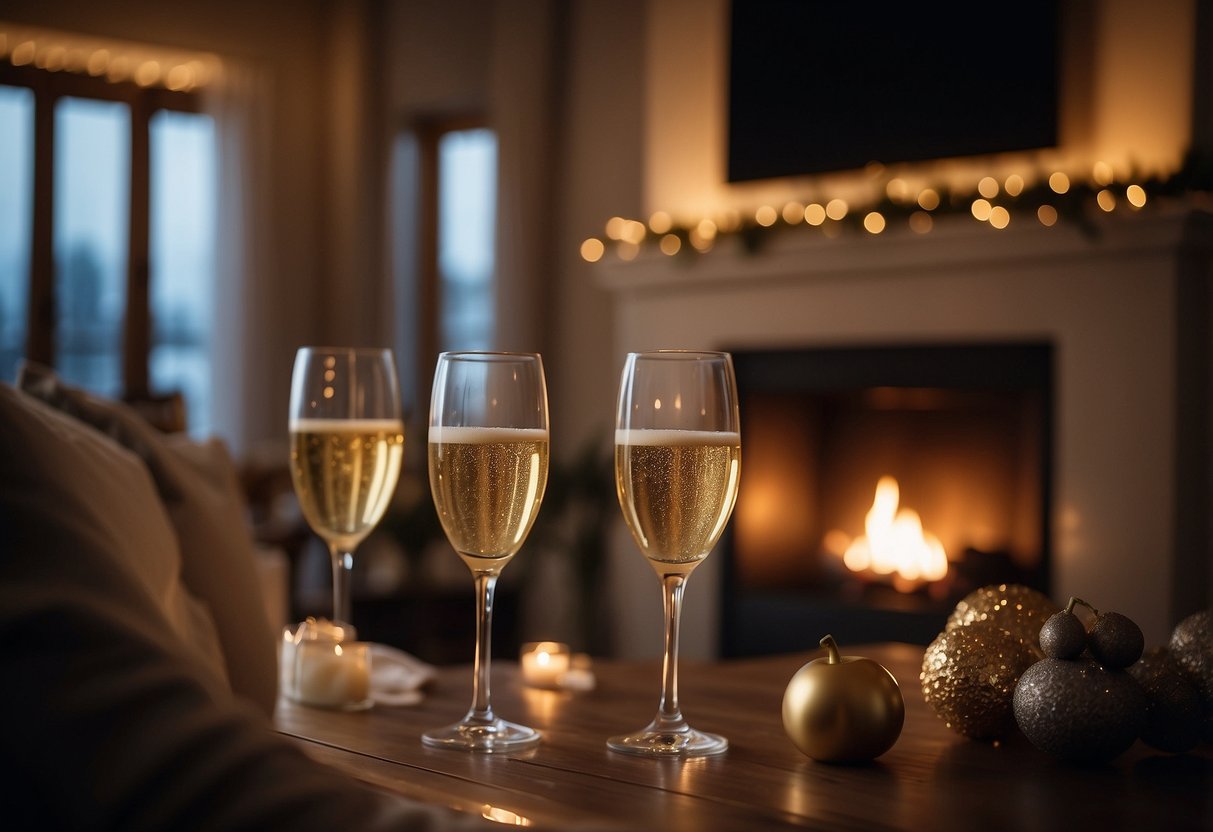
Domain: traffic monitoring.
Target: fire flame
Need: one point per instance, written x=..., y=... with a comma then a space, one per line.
x=895, y=542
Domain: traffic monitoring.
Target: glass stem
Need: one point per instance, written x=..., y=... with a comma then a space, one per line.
x=669, y=717
x=482, y=707
x=343, y=564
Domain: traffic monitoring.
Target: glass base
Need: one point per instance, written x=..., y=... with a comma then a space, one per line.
x=483, y=737
x=680, y=743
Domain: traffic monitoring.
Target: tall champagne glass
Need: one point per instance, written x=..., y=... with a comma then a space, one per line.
x=677, y=464
x=347, y=439
x=488, y=459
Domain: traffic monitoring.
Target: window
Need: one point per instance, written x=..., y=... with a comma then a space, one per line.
x=467, y=211
x=183, y=180
x=91, y=238
x=17, y=171
x=106, y=242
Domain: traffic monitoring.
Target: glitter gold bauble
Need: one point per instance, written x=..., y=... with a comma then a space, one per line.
x=969, y=675
x=1018, y=609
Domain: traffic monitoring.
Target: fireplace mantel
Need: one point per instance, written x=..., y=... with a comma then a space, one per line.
x=805, y=253
x=1127, y=308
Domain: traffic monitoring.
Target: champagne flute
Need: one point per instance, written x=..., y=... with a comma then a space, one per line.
x=347, y=439
x=677, y=464
x=488, y=460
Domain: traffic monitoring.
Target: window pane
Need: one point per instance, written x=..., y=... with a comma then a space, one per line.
x=182, y=259
x=92, y=189
x=16, y=215
x=467, y=181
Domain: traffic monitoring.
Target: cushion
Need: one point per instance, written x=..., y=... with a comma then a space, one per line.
x=198, y=487
x=117, y=715
x=81, y=519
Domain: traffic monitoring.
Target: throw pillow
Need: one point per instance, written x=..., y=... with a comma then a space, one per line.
x=198, y=487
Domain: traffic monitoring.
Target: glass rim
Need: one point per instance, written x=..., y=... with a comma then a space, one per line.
x=489, y=355
x=345, y=350
x=680, y=354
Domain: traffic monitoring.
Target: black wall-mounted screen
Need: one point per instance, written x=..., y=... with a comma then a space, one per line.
x=829, y=85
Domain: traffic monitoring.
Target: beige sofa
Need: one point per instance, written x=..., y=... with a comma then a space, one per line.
x=139, y=671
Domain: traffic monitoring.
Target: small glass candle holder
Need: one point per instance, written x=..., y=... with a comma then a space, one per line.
x=544, y=664
x=325, y=666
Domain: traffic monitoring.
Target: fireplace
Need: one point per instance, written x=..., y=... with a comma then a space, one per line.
x=881, y=485
x=1125, y=307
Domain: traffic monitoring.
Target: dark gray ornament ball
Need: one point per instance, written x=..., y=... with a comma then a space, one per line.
x=1173, y=708
x=1078, y=711
x=1115, y=640
x=1192, y=648
x=1063, y=636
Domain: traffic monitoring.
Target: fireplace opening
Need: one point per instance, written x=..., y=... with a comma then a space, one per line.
x=882, y=484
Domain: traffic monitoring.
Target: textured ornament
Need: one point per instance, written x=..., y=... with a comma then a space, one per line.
x=969, y=675
x=1115, y=640
x=1079, y=710
x=1192, y=648
x=843, y=709
x=1173, y=707
x=1063, y=635
x=1018, y=609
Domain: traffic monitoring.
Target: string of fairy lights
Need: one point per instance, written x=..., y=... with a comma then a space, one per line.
x=115, y=61
x=998, y=202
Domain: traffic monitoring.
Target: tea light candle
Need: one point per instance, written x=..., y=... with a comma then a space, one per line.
x=320, y=670
x=544, y=663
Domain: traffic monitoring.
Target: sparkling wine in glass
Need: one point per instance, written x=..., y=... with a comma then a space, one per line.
x=488, y=461
x=677, y=465
x=347, y=439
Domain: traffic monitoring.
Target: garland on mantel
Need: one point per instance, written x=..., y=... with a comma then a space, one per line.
x=1057, y=198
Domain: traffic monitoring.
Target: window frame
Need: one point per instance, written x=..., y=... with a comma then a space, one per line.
x=144, y=102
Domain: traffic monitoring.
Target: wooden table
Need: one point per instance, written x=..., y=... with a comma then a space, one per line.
x=931, y=779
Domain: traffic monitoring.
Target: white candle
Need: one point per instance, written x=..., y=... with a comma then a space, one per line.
x=322, y=671
x=544, y=663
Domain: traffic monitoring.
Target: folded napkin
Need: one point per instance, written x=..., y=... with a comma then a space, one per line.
x=397, y=678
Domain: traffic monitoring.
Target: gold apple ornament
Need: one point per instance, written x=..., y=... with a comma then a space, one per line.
x=843, y=709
